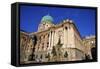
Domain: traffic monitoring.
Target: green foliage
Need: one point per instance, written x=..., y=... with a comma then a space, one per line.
x=59, y=45
x=48, y=55
x=66, y=54
x=54, y=51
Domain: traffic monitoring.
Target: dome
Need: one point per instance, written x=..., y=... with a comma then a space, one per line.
x=47, y=19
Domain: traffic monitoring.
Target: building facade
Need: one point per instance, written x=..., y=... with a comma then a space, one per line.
x=60, y=42
x=89, y=43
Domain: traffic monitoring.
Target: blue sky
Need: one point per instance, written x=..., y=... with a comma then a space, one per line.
x=84, y=19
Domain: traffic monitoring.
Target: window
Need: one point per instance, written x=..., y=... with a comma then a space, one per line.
x=41, y=56
x=48, y=35
x=31, y=46
x=44, y=36
x=47, y=44
x=42, y=45
x=66, y=28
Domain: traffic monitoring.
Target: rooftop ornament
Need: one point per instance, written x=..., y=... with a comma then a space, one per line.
x=67, y=20
x=70, y=21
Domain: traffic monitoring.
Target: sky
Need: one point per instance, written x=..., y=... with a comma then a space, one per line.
x=84, y=19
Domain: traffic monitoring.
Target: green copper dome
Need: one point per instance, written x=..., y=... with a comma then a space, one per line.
x=47, y=19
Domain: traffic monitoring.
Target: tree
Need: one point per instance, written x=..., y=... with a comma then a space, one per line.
x=56, y=50
x=59, y=50
x=34, y=40
x=48, y=56
x=66, y=54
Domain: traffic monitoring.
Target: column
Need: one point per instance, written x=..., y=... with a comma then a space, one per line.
x=52, y=42
x=65, y=38
x=49, y=40
x=53, y=37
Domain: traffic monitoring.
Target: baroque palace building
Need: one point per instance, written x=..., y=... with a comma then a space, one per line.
x=60, y=42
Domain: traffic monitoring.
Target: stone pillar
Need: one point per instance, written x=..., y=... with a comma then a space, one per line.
x=65, y=38
x=49, y=40
x=52, y=39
